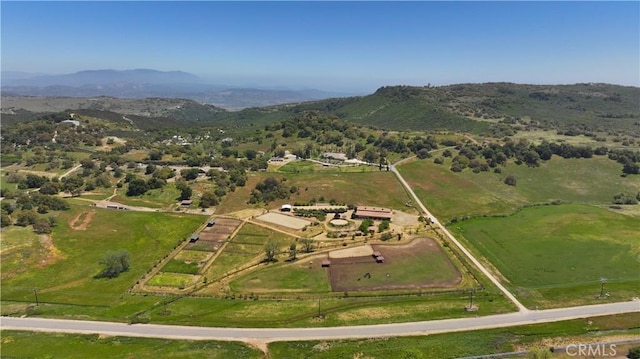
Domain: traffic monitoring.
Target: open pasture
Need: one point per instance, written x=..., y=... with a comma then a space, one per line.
x=25, y=344
x=559, y=253
x=448, y=194
x=69, y=269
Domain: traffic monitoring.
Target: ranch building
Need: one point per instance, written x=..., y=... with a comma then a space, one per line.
x=378, y=213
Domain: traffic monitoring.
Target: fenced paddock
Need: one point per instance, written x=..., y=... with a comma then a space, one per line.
x=419, y=264
x=284, y=220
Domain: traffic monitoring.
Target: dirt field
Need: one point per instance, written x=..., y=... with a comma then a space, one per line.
x=284, y=220
x=212, y=238
x=82, y=220
x=361, y=251
x=417, y=265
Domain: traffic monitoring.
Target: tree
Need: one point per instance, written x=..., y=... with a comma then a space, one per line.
x=50, y=188
x=42, y=226
x=270, y=250
x=72, y=184
x=383, y=226
x=293, y=251
x=209, y=199
x=423, y=153
x=137, y=187
x=634, y=353
x=190, y=174
x=5, y=220
x=185, y=193
x=510, y=180
x=25, y=218
x=250, y=154
x=115, y=263
x=307, y=244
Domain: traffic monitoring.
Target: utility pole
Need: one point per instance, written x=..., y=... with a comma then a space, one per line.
x=603, y=280
x=319, y=314
x=164, y=303
x=471, y=292
x=35, y=292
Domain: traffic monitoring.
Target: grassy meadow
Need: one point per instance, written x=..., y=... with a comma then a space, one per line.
x=22, y=344
x=448, y=194
x=555, y=255
x=64, y=267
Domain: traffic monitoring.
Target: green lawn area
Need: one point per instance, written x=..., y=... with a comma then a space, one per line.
x=178, y=280
x=555, y=255
x=65, y=270
x=449, y=194
x=287, y=277
x=155, y=198
x=19, y=344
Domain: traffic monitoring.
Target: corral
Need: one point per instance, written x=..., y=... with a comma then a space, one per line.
x=284, y=220
x=211, y=238
x=419, y=264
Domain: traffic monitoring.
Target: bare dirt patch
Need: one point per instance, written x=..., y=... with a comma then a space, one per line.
x=212, y=238
x=52, y=255
x=82, y=220
x=284, y=220
x=361, y=251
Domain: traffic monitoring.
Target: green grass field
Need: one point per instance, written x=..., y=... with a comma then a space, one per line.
x=19, y=344
x=285, y=277
x=65, y=269
x=449, y=194
x=556, y=255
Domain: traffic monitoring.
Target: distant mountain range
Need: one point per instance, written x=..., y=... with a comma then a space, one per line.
x=143, y=83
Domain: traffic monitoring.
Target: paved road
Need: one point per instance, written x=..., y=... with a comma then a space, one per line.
x=477, y=263
x=280, y=334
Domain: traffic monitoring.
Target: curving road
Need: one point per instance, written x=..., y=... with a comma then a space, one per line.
x=265, y=335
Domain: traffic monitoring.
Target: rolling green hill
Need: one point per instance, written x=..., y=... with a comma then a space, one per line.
x=590, y=107
x=571, y=109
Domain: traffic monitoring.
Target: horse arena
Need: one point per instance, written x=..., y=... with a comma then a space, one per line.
x=363, y=273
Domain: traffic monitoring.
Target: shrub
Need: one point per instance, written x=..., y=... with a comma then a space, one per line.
x=510, y=180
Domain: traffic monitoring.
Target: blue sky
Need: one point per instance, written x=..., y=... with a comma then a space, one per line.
x=331, y=45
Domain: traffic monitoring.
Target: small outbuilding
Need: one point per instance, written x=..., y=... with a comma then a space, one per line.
x=285, y=208
x=326, y=263
x=211, y=222
x=194, y=238
x=377, y=254
x=186, y=202
x=379, y=259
